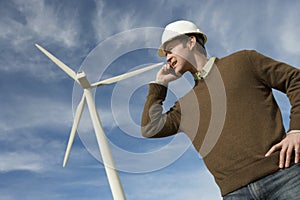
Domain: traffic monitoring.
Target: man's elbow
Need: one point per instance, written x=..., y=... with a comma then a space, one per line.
x=154, y=128
x=147, y=132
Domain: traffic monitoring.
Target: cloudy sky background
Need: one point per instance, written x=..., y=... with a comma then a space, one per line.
x=37, y=99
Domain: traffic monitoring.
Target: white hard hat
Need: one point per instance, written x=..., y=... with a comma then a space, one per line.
x=176, y=29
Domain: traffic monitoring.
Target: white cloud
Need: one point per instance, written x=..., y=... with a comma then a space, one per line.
x=289, y=31
x=127, y=19
x=34, y=112
x=28, y=22
x=35, y=152
x=21, y=161
x=25, y=150
x=249, y=25
x=42, y=22
x=191, y=182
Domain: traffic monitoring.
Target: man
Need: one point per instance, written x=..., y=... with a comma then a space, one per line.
x=250, y=156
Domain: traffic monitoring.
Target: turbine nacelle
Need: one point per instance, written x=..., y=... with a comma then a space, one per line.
x=82, y=78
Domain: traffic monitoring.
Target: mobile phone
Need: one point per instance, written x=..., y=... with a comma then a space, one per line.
x=172, y=71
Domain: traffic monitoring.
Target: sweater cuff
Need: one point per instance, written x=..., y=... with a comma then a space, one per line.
x=157, y=90
x=294, y=122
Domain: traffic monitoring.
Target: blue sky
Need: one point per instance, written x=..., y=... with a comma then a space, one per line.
x=38, y=99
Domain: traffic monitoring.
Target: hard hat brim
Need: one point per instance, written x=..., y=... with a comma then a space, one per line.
x=161, y=52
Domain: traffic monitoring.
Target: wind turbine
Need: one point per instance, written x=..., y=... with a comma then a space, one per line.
x=87, y=97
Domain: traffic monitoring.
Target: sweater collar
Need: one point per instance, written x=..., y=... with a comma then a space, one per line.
x=206, y=69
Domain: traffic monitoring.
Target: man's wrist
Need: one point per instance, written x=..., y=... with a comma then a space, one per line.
x=160, y=82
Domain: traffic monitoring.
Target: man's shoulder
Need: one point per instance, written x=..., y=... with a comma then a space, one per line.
x=237, y=57
x=240, y=53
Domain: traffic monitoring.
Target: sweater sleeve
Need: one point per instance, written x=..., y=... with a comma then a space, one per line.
x=154, y=122
x=282, y=77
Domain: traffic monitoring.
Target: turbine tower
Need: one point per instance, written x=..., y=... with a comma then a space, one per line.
x=87, y=97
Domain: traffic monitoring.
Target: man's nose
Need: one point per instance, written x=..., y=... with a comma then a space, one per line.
x=169, y=57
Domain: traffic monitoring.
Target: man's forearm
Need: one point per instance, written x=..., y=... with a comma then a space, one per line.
x=155, y=123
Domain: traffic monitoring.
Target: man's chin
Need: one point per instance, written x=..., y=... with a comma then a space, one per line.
x=178, y=74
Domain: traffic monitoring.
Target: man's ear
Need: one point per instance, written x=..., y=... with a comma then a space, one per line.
x=192, y=42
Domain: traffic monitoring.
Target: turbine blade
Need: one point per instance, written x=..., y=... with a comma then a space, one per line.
x=124, y=76
x=59, y=63
x=77, y=117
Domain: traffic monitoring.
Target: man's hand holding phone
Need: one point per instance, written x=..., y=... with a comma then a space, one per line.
x=166, y=74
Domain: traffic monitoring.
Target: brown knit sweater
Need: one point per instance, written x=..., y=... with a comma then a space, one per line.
x=232, y=146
